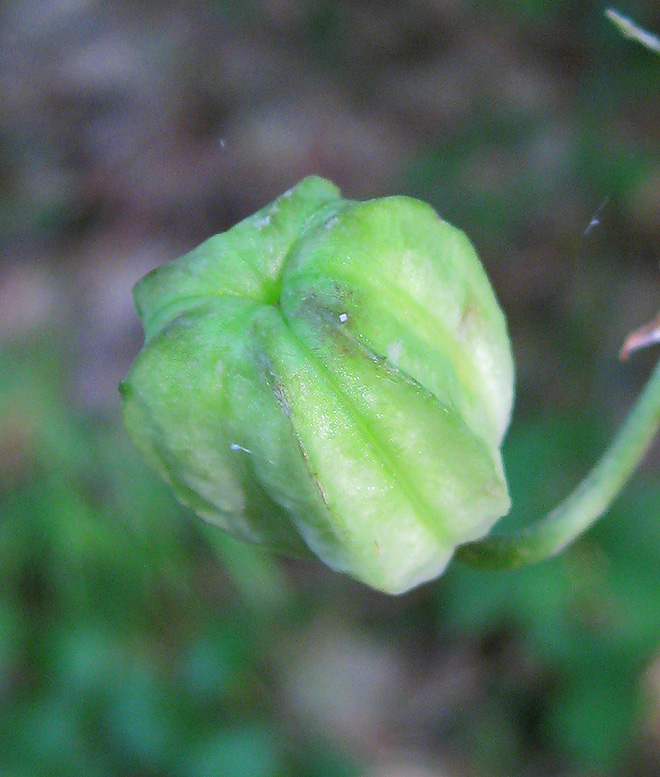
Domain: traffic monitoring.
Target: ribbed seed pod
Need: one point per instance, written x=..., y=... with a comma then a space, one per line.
x=332, y=376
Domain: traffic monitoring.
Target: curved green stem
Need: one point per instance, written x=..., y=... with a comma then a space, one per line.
x=586, y=504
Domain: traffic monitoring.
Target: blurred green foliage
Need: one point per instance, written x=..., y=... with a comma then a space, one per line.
x=114, y=656
x=588, y=621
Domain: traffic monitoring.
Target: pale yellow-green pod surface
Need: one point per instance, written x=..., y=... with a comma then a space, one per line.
x=330, y=376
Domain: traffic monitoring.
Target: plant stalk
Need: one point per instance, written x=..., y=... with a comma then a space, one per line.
x=582, y=508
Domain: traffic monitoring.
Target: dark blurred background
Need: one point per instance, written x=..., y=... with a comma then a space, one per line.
x=136, y=640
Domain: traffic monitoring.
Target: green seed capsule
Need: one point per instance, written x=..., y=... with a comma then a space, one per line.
x=332, y=376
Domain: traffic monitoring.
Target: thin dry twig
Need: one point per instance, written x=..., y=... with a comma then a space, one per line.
x=646, y=335
x=629, y=29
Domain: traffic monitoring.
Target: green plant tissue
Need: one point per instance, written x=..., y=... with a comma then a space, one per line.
x=330, y=376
